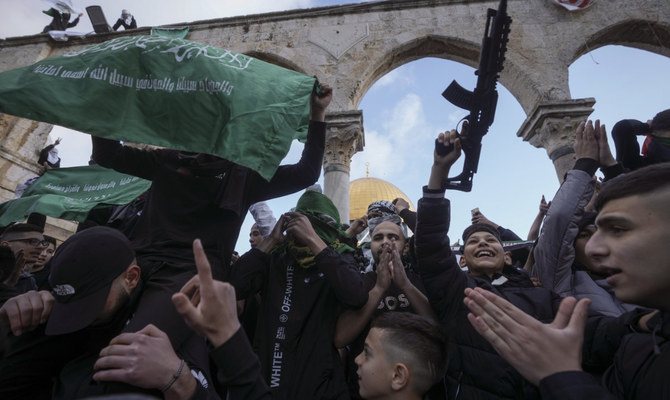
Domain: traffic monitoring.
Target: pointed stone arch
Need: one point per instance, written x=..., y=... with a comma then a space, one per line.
x=276, y=60
x=514, y=78
x=646, y=35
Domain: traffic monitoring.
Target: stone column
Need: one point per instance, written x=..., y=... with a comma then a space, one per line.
x=20, y=143
x=552, y=126
x=344, y=137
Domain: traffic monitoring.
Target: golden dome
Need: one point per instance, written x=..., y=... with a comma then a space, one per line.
x=364, y=191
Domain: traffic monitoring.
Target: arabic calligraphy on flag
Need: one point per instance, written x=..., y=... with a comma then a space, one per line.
x=168, y=92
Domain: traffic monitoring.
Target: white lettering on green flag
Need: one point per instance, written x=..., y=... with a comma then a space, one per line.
x=70, y=193
x=168, y=92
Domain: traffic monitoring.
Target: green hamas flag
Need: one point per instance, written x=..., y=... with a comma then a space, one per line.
x=70, y=193
x=168, y=92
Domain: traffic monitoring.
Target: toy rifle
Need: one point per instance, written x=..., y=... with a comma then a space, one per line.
x=482, y=102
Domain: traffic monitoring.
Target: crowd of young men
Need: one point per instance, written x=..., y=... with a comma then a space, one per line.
x=159, y=312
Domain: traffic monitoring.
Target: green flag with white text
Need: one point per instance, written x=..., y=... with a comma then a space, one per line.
x=70, y=193
x=168, y=92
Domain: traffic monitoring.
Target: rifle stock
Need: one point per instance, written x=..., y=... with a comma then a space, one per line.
x=482, y=102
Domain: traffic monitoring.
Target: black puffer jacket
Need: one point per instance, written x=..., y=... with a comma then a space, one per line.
x=639, y=371
x=641, y=365
x=475, y=370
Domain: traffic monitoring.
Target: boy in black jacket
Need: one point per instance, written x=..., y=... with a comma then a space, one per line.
x=475, y=370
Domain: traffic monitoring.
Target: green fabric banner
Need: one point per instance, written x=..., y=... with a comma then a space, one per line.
x=178, y=33
x=70, y=193
x=168, y=92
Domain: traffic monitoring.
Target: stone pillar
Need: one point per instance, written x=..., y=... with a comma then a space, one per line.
x=20, y=143
x=344, y=137
x=552, y=126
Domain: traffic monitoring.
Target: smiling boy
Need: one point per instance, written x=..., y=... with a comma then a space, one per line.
x=475, y=370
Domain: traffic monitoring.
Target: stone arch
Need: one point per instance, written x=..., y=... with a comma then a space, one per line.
x=276, y=60
x=641, y=34
x=453, y=49
x=513, y=77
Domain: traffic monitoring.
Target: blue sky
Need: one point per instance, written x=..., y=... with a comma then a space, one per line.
x=404, y=111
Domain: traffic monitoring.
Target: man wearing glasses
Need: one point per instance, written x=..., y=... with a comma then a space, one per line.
x=26, y=240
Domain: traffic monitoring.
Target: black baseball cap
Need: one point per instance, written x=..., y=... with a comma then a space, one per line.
x=82, y=271
x=480, y=228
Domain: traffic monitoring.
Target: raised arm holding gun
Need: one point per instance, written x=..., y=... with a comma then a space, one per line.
x=482, y=102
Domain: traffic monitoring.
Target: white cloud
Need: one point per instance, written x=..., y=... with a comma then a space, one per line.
x=389, y=150
x=455, y=116
x=388, y=79
x=407, y=115
x=399, y=77
x=381, y=154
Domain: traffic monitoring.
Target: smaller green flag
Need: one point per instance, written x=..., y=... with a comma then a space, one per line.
x=70, y=193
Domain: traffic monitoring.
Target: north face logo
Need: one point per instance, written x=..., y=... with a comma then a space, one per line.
x=64, y=290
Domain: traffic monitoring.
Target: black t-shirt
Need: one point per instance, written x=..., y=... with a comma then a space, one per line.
x=394, y=300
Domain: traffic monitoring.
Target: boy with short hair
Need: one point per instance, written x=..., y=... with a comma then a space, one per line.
x=24, y=237
x=41, y=269
x=27, y=240
x=404, y=356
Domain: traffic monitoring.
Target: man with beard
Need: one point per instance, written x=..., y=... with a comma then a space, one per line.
x=58, y=337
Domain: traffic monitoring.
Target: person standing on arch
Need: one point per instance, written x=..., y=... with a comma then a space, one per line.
x=127, y=21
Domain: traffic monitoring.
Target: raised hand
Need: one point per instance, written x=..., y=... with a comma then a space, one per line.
x=400, y=204
x=544, y=206
x=534, y=349
x=442, y=163
x=605, y=156
x=299, y=227
x=208, y=306
x=357, y=226
x=586, y=143
x=319, y=102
